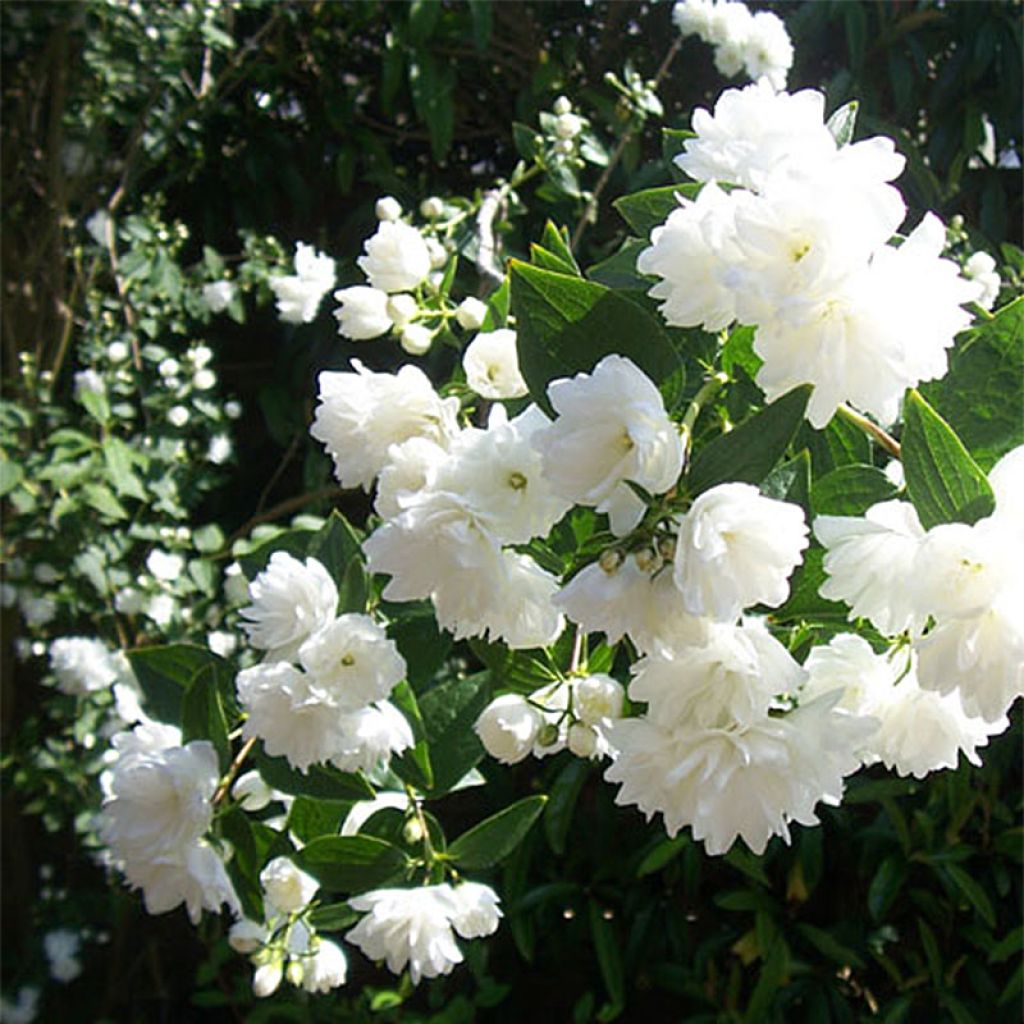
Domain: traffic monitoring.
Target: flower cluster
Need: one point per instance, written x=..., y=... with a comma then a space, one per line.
x=157, y=811
x=801, y=251
x=954, y=589
x=332, y=706
x=299, y=294
x=757, y=44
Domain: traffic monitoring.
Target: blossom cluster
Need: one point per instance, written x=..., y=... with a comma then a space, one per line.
x=801, y=250
x=757, y=44
x=320, y=694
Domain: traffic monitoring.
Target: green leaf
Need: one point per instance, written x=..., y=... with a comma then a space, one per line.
x=609, y=959
x=566, y=324
x=931, y=950
x=293, y=542
x=944, y=483
x=528, y=142
x=244, y=865
x=11, y=474
x=750, y=451
x=769, y=981
x=449, y=713
x=423, y=15
x=982, y=395
x=414, y=765
x=102, y=499
x=333, y=917
x=841, y=443
x=738, y=351
x=309, y=817
x=843, y=122
x=746, y=863
x=663, y=853
x=547, y=260
x=204, y=711
x=830, y=946
x=338, y=546
x=886, y=884
x=480, y=14
x=672, y=140
x=1007, y=946
x=352, y=863
x=975, y=894
x=556, y=241
x=420, y=641
x=646, y=210
x=850, y=491
x=119, y=459
x=165, y=674
x=95, y=405
x=432, y=84
x=619, y=270
x=323, y=781
x=562, y=802
x=496, y=837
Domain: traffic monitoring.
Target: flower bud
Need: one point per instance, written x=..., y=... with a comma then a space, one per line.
x=508, y=728
x=548, y=735
x=648, y=560
x=266, y=980
x=246, y=936
x=598, y=697
x=582, y=740
x=401, y=309
x=388, y=208
x=413, y=831
x=295, y=972
x=252, y=792
x=471, y=314
x=568, y=126
x=610, y=560
x=117, y=351
x=562, y=106
x=565, y=147
x=416, y=339
x=667, y=548
x=431, y=208
x=287, y=887
x=438, y=253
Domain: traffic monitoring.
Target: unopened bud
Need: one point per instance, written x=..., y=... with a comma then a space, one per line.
x=562, y=106
x=431, y=208
x=582, y=740
x=564, y=146
x=471, y=314
x=610, y=560
x=388, y=208
x=401, y=309
x=413, y=831
x=648, y=560
x=266, y=980
x=548, y=735
x=667, y=548
x=438, y=253
x=295, y=973
x=416, y=339
x=568, y=126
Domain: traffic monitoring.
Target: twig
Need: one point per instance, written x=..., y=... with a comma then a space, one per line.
x=278, y=470
x=282, y=509
x=236, y=767
x=883, y=437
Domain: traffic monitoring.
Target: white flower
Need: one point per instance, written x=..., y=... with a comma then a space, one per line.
x=582, y=740
x=476, y=912
x=218, y=295
x=370, y=736
x=869, y=561
x=737, y=548
x=98, y=224
x=959, y=570
x=611, y=427
x=61, y=947
x=729, y=24
x=363, y=312
x=491, y=364
x=768, y=51
x=471, y=314
x=203, y=380
x=290, y=601
x=402, y=308
x=288, y=888
x=568, y=126
x=362, y=414
x=498, y=473
x=37, y=609
x=598, y=698
x=82, y=665
x=117, y=351
x=754, y=132
x=164, y=565
x=693, y=17
x=220, y=449
x=416, y=339
x=267, y=979
x=695, y=252
x=619, y=597
x=327, y=968
x=251, y=792
x=730, y=679
x=508, y=728
x=233, y=410
x=409, y=926
x=200, y=355
x=1007, y=481
x=24, y=1010
x=388, y=208
x=747, y=782
x=299, y=295
x=89, y=382
x=981, y=657
x=412, y=466
x=352, y=662
x=397, y=258
x=981, y=268
x=177, y=416
x=432, y=207
x=362, y=810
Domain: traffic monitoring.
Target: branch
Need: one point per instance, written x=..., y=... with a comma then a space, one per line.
x=873, y=430
x=236, y=767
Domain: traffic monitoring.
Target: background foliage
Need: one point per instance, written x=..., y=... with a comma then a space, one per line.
x=206, y=128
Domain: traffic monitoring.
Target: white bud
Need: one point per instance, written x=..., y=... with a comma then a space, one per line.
x=233, y=409
x=610, y=560
x=416, y=339
x=295, y=973
x=401, y=309
x=508, y=728
x=431, y=208
x=413, y=831
x=582, y=740
x=598, y=697
x=252, y=792
x=563, y=105
x=438, y=253
x=471, y=314
x=203, y=380
x=168, y=367
x=568, y=126
x=117, y=351
x=246, y=936
x=177, y=416
x=266, y=980
x=388, y=208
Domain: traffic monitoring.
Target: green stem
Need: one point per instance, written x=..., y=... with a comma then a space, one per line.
x=707, y=390
x=873, y=430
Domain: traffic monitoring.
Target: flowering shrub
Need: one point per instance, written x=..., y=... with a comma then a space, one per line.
x=689, y=522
